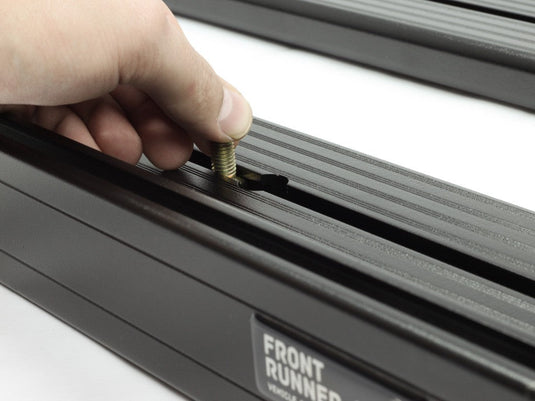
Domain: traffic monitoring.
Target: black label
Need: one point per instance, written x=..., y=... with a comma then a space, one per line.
x=287, y=370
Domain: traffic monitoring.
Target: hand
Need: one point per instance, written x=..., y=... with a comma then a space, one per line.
x=118, y=76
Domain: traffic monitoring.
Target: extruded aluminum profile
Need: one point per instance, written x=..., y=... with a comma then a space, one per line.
x=401, y=277
x=483, y=47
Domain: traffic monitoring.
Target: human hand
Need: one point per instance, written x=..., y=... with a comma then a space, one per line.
x=118, y=76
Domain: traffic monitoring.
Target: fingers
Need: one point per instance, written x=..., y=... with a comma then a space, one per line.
x=64, y=121
x=186, y=88
x=165, y=143
x=60, y=119
x=122, y=128
x=110, y=128
x=99, y=124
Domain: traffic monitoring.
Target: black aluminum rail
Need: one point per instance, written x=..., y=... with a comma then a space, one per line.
x=482, y=47
x=434, y=273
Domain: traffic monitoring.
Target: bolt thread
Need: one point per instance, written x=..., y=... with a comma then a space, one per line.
x=224, y=160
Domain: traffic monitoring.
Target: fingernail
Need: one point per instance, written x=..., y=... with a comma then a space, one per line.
x=235, y=117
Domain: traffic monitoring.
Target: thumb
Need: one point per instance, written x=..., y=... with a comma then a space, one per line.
x=188, y=90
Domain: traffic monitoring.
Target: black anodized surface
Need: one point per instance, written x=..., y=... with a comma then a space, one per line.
x=485, y=49
x=141, y=248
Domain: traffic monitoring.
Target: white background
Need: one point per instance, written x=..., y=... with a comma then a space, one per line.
x=481, y=145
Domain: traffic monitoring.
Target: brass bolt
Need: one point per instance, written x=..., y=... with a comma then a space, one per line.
x=224, y=160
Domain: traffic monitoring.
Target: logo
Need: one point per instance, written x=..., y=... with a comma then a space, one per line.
x=289, y=370
x=292, y=371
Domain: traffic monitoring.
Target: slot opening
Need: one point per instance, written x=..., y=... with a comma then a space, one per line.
x=282, y=188
x=362, y=283
x=248, y=179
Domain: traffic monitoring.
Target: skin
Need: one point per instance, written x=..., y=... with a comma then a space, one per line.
x=118, y=76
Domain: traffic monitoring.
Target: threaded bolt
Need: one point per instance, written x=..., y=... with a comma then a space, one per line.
x=224, y=160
